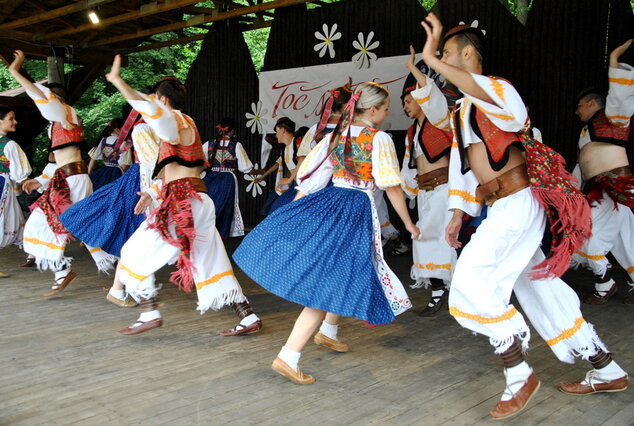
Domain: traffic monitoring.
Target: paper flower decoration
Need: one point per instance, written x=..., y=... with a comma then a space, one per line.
x=474, y=24
x=254, y=187
x=255, y=119
x=327, y=37
x=364, y=57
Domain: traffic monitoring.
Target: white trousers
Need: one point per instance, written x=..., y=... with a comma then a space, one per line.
x=498, y=261
x=433, y=257
x=47, y=247
x=612, y=231
x=146, y=252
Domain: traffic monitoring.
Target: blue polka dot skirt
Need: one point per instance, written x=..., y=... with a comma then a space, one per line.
x=106, y=218
x=319, y=252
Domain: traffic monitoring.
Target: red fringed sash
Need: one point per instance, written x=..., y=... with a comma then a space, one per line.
x=566, y=208
x=619, y=188
x=176, y=208
x=54, y=201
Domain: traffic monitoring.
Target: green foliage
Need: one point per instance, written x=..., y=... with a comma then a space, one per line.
x=256, y=40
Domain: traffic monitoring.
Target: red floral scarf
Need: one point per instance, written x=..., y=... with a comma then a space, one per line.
x=54, y=201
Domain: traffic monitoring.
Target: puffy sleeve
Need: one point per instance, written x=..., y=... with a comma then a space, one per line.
x=509, y=112
x=125, y=157
x=462, y=188
x=244, y=163
x=385, y=168
x=619, y=105
x=307, y=142
x=97, y=152
x=319, y=178
x=53, y=109
x=146, y=143
x=410, y=185
x=434, y=104
x=47, y=174
x=19, y=167
x=158, y=116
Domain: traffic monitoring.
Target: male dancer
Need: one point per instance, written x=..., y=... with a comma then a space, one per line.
x=182, y=229
x=426, y=172
x=608, y=178
x=503, y=255
x=64, y=182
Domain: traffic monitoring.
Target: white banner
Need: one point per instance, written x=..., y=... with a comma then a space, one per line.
x=300, y=93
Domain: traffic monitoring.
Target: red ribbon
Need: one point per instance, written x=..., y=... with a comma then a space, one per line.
x=125, y=130
x=327, y=111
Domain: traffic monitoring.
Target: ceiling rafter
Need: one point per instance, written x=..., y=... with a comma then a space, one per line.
x=52, y=14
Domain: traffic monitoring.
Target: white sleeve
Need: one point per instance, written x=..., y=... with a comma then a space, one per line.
x=244, y=163
x=410, y=185
x=19, y=167
x=434, y=104
x=462, y=188
x=619, y=105
x=307, y=142
x=385, y=168
x=96, y=153
x=509, y=112
x=158, y=116
x=53, y=109
x=47, y=174
x=320, y=177
x=206, y=151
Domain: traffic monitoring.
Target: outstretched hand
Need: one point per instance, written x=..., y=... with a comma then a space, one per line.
x=144, y=202
x=451, y=232
x=616, y=53
x=18, y=60
x=30, y=185
x=433, y=28
x=411, y=61
x=114, y=71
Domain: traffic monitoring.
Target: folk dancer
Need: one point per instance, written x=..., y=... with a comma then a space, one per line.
x=490, y=134
x=182, y=229
x=426, y=173
x=63, y=182
x=330, y=255
x=608, y=177
x=111, y=152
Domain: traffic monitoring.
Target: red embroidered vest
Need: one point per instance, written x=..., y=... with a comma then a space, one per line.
x=352, y=157
x=497, y=141
x=434, y=142
x=602, y=130
x=185, y=155
x=61, y=138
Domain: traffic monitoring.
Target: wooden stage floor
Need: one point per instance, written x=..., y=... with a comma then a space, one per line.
x=62, y=362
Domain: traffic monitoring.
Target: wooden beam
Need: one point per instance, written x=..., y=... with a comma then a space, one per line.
x=52, y=14
x=16, y=101
x=206, y=19
x=102, y=56
x=165, y=7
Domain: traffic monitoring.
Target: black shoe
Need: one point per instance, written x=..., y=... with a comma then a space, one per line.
x=437, y=303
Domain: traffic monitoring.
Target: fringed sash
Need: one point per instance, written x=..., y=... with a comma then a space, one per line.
x=54, y=201
x=176, y=208
x=619, y=188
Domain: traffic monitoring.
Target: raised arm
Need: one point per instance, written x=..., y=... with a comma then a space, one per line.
x=15, y=68
x=117, y=81
x=462, y=79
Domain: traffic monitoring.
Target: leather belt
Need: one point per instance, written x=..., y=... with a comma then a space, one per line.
x=199, y=185
x=76, y=168
x=430, y=180
x=506, y=184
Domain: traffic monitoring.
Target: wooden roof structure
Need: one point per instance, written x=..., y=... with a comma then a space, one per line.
x=62, y=28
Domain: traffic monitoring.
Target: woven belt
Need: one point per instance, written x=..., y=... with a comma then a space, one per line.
x=619, y=171
x=506, y=184
x=76, y=168
x=429, y=181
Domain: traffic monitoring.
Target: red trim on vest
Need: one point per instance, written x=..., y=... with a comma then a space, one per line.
x=61, y=138
x=602, y=130
x=185, y=155
x=496, y=140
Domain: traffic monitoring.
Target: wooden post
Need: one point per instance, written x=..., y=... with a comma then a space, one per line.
x=55, y=67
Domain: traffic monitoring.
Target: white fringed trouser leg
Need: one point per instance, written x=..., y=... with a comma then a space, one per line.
x=612, y=231
x=497, y=261
x=433, y=257
x=146, y=252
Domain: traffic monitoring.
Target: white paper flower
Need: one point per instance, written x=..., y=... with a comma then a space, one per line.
x=364, y=57
x=254, y=187
x=255, y=119
x=474, y=24
x=328, y=36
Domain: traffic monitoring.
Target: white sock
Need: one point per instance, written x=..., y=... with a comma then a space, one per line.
x=610, y=372
x=515, y=379
x=603, y=288
x=249, y=319
x=329, y=330
x=60, y=275
x=119, y=294
x=149, y=316
x=290, y=357
x=435, y=293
